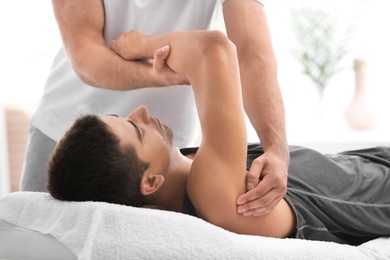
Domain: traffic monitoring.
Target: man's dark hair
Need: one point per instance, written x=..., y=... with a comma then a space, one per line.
x=89, y=164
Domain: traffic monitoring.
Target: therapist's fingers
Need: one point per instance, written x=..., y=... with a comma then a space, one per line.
x=269, y=191
x=160, y=57
x=254, y=174
x=259, y=205
x=162, y=72
x=114, y=46
x=252, y=180
x=258, y=199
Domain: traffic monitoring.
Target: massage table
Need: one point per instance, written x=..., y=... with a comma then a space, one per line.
x=34, y=225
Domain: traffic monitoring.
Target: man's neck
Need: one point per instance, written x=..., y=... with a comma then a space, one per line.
x=171, y=194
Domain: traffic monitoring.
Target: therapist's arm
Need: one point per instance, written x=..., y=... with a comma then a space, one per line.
x=247, y=27
x=81, y=24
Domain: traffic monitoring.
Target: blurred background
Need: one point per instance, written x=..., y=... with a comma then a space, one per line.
x=332, y=58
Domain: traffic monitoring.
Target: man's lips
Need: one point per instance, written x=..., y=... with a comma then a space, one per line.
x=158, y=123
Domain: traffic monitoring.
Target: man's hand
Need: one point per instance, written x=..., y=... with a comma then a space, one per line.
x=266, y=184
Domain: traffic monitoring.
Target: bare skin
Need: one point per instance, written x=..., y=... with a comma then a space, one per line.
x=216, y=177
x=81, y=24
x=263, y=104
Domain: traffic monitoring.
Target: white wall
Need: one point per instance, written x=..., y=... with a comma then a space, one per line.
x=29, y=40
x=304, y=124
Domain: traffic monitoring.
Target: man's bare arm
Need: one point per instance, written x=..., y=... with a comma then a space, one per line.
x=263, y=103
x=217, y=178
x=81, y=24
x=217, y=175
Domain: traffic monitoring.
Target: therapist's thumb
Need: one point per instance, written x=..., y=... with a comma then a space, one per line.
x=251, y=183
x=254, y=173
x=162, y=54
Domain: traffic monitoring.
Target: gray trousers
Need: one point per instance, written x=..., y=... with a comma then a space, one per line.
x=38, y=151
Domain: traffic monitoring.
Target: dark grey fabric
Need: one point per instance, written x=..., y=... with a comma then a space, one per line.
x=38, y=151
x=343, y=198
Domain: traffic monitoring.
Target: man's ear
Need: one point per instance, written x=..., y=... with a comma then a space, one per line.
x=151, y=183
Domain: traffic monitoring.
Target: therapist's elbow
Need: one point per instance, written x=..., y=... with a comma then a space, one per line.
x=84, y=60
x=83, y=72
x=86, y=78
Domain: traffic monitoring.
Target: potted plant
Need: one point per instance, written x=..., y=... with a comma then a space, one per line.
x=322, y=43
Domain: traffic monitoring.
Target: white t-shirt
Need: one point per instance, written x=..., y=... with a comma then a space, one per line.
x=66, y=96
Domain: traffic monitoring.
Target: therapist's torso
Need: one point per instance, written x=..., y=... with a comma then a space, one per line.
x=66, y=96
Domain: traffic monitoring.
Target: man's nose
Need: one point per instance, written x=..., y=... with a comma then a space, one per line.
x=141, y=113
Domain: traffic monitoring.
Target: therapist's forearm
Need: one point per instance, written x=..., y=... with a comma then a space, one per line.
x=81, y=24
x=99, y=66
x=263, y=101
x=258, y=68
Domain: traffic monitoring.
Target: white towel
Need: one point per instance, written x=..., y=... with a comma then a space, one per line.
x=93, y=230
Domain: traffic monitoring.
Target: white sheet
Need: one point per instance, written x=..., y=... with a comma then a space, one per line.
x=93, y=230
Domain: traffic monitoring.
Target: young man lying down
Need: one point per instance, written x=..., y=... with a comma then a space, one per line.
x=131, y=161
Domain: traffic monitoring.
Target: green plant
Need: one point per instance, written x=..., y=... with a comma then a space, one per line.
x=323, y=43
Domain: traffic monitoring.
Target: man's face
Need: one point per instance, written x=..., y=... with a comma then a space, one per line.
x=151, y=139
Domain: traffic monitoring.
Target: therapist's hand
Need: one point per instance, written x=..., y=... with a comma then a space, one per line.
x=163, y=72
x=131, y=46
x=266, y=184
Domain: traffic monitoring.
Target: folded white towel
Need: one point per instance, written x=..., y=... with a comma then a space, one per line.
x=93, y=230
